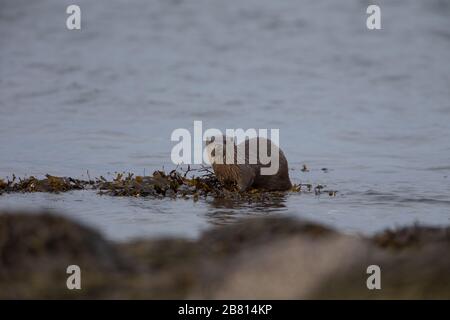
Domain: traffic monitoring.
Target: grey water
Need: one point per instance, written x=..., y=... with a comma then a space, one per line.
x=371, y=106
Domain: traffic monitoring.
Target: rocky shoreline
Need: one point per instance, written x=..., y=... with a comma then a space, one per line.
x=255, y=258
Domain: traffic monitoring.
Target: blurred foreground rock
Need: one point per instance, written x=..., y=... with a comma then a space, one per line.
x=274, y=258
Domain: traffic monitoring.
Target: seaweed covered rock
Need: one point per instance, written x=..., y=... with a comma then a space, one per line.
x=254, y=258
x=175, y=184
x=36, y=249
x=410, y=237
x=50, y=184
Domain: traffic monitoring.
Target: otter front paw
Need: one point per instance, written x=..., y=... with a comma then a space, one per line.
x=242, y=187
x=244, y=184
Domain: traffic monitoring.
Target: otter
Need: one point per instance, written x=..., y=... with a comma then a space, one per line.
x=244, y=168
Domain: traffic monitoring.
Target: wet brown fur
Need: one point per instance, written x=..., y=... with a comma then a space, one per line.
x=247, y=175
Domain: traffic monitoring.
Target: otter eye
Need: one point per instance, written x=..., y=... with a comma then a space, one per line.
x=209, y=140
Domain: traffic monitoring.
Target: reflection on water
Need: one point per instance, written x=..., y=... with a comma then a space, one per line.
x=372, y=107
x=224, y=211
x=274, y=203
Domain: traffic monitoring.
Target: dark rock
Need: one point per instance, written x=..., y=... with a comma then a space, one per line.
x=253, y=258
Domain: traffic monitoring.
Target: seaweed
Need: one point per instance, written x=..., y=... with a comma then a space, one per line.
x=304, y=168
x=191, y=183
x=411, y=237
x=52, y=184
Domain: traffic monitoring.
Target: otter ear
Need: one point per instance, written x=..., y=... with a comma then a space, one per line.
x=228, y=139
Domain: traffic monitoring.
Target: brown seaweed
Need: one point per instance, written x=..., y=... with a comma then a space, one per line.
x=52, y=184
x=190, y=183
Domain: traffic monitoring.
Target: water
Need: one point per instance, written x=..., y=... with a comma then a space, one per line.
x=371, y=106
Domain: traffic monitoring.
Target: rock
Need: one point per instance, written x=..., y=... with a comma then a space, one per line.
x=272, y=258
x=35, y=250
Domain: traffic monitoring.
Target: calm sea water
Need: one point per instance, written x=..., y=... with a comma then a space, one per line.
x=371, y=106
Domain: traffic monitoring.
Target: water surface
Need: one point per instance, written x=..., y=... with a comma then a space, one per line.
x=371, y=106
